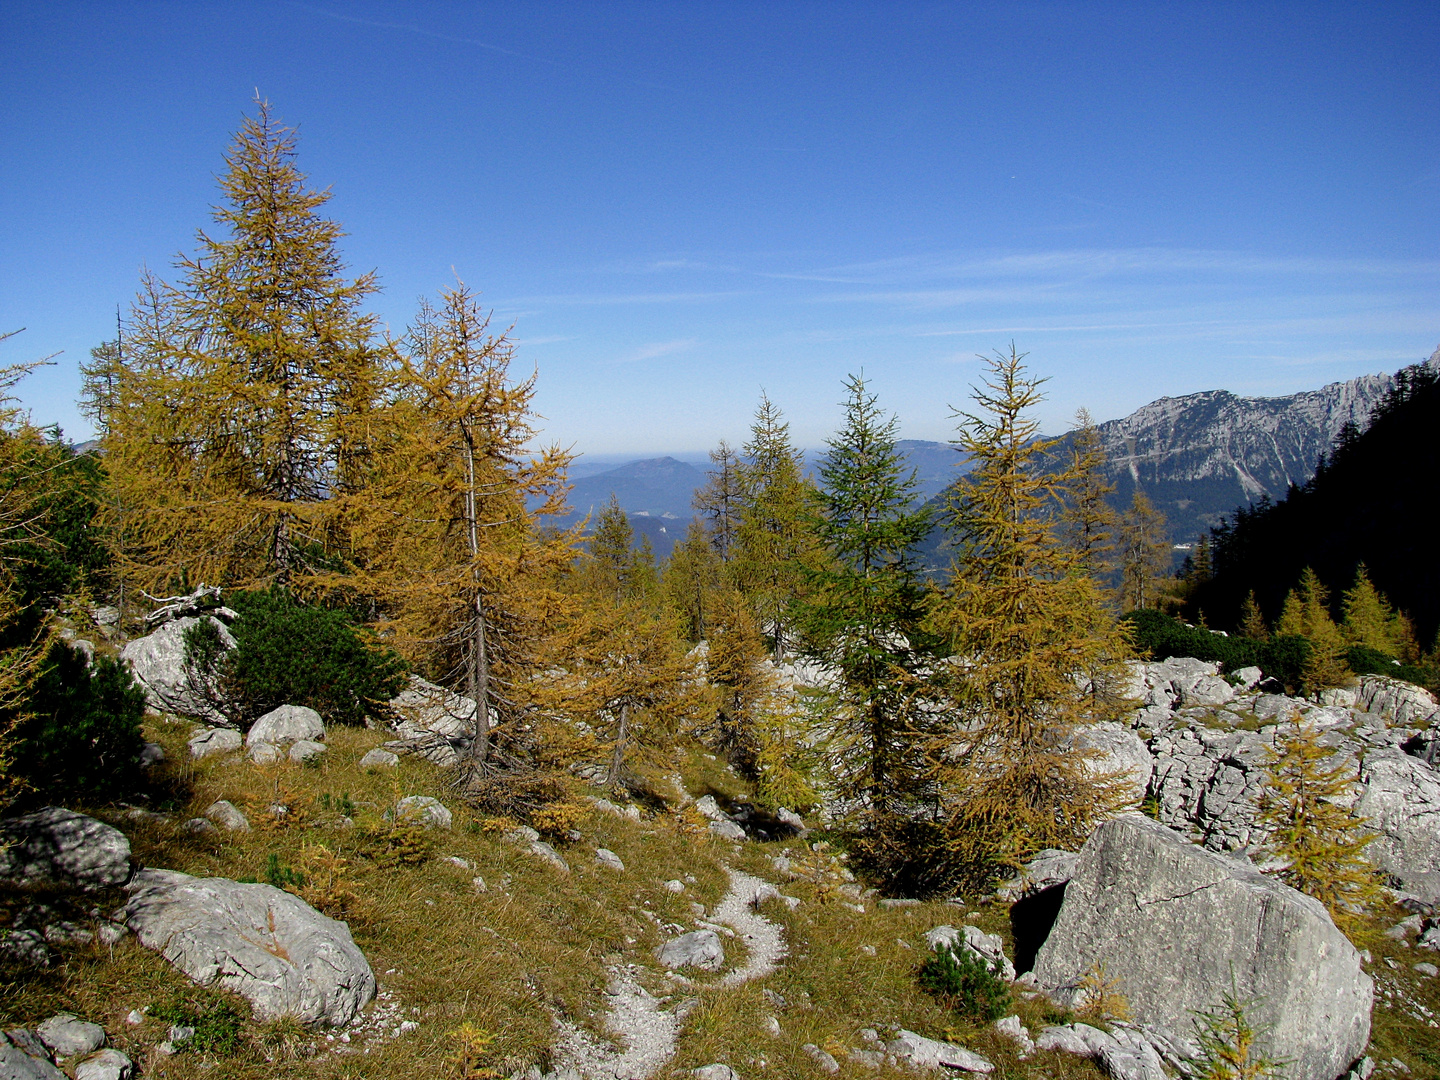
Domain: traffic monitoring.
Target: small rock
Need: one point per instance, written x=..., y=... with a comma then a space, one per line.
x=1427, y=969
x=26, y=948
x=200, y=826
x=208, y=742
x=379, y=759
x=66, y=1036
x=699, y=948
x=180, y=1034
x=772, y=1027
x=788, y=817
x=824, y=1060
x=868, y=950
x=715, y=1072
x=728, y=830
x=606, y=857
x=478, y=884
x=1011, y=1027
x=106, y=1065
x=264, y=753
x=542, y=850
x=228, y=816
x=287, y=724
x=152, y=753
x=918, y=1052
x=456, y=860
x=134, y=1018
x=423, y=810
x=868, y=1059
x=521, y=834
x=1413, y=925
x=60, y=847
x=27, y=1042
x=675, y=886
x=893, y=902
x=306, y=750
x=17, y=1063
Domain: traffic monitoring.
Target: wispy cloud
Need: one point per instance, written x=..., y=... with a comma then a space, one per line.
x=658, y=349
x=602, y=299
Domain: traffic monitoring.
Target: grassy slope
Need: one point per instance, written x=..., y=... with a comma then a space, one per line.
x=537, y=943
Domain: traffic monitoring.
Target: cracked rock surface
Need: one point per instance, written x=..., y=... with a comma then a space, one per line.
x=1173, y=923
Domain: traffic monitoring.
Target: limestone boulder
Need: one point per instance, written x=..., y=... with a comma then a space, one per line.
x=424, y=810
x=19, y=1061
x=66, y=1035
x=1173, y=924
x=157, y=660
x=1402, y=704
x=60, y=847
x=285, y=725
x=1400, y=800
x=268, y=946
x=1113, y=749
x=699, y=948
x=210, y=741
x=424, y=709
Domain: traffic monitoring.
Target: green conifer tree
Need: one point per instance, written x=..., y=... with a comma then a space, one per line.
x=691, y=579
x=864, y=610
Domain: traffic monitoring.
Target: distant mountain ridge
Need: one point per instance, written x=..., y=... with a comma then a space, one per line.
x=1200, y=456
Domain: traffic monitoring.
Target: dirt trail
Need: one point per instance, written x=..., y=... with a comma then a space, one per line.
x=647, y=1031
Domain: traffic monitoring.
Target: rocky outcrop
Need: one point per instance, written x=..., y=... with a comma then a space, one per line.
x=268, y=946
x=158, y=662
x=432, y=722
x=1174, y=924
x=59, y=847
x=1400, y=800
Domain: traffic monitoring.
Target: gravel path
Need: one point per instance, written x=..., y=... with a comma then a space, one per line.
x=648, y=1032
x=764, y=941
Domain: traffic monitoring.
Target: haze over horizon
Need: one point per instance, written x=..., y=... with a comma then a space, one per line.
x=677, y=207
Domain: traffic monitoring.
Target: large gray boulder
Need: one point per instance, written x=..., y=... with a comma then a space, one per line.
x=59, y=847
x=158, y=661
x=268, y=946
x=1173, y=924
x=1400, y=800
x=285, y=725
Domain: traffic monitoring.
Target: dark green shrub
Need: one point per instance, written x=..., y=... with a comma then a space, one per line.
x=1164, y=636
x=215, y=1020
x=80, y=738
x=290, y=653
x=966, y=983
x=1365, y=661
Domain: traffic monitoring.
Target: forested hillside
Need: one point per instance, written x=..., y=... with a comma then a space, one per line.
x=1370, y=503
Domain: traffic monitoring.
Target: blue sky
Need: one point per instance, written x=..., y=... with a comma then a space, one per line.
x=678, y=205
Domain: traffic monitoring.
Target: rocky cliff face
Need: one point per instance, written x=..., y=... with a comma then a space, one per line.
x=1200, y=456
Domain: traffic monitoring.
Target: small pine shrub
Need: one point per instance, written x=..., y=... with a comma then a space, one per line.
x=79, y=736
x=1228, y=1040
x=390, y=844
x=215, y=1020
x=281, y=876
x=966, y=983
x=290, y=653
